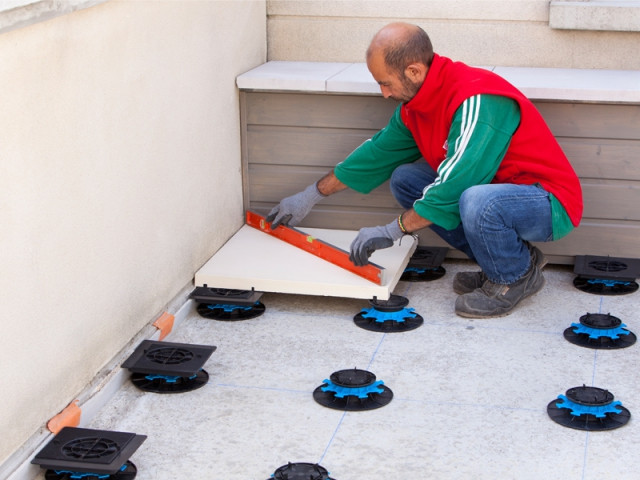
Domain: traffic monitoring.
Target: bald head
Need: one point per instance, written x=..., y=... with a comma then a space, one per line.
x=401, y=44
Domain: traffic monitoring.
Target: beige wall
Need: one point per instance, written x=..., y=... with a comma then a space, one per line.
x=479, y=32
x=119, y=177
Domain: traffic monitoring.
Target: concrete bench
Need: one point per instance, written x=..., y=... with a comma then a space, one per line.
x=551, y=84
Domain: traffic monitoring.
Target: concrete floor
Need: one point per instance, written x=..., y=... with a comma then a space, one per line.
x=470, y=396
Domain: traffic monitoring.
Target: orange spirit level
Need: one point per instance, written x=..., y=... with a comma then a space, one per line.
x=324, y=250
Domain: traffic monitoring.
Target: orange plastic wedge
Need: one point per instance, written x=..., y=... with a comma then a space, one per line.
x=69, y=417
x=164, y=323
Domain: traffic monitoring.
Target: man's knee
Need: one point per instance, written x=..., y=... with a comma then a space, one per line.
x=399, y=176
x=473, y=202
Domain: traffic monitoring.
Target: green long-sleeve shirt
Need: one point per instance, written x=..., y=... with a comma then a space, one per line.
x=478, y=139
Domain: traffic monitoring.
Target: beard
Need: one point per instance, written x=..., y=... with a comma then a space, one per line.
x=409, y=90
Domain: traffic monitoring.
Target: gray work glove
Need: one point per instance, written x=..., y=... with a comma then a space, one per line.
x=370, y=239
x=292, y=210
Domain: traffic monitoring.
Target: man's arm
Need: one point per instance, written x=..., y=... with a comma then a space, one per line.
x=410, y=221
x=365, y=168
x=373, y=162
x=329, y=184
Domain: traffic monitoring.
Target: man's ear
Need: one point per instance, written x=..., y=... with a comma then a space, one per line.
x=416, y=72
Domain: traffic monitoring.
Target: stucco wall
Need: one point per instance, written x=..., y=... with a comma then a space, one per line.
x=479, y=32
x=120, y=176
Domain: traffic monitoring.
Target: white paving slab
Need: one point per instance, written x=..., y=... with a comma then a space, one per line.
x=252, y=259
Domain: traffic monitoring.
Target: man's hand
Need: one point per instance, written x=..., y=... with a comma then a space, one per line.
x=292, y=210
x=370, y=239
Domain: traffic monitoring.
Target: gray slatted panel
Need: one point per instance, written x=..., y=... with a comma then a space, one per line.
x=614, y=238
x=291, y=140
x=313, y=146
x=317, y=110
x=618, y=200
x=587, y=120
x=603, y=158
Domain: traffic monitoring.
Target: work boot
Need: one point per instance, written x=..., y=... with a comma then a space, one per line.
x=467, y=282
x=496, y=300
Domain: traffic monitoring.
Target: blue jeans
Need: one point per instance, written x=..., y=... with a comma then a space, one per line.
x=497, y=219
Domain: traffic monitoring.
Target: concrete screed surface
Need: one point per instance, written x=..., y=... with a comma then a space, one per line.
x=470, y=396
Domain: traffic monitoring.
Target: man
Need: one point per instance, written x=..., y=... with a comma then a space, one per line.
x=468, y=156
